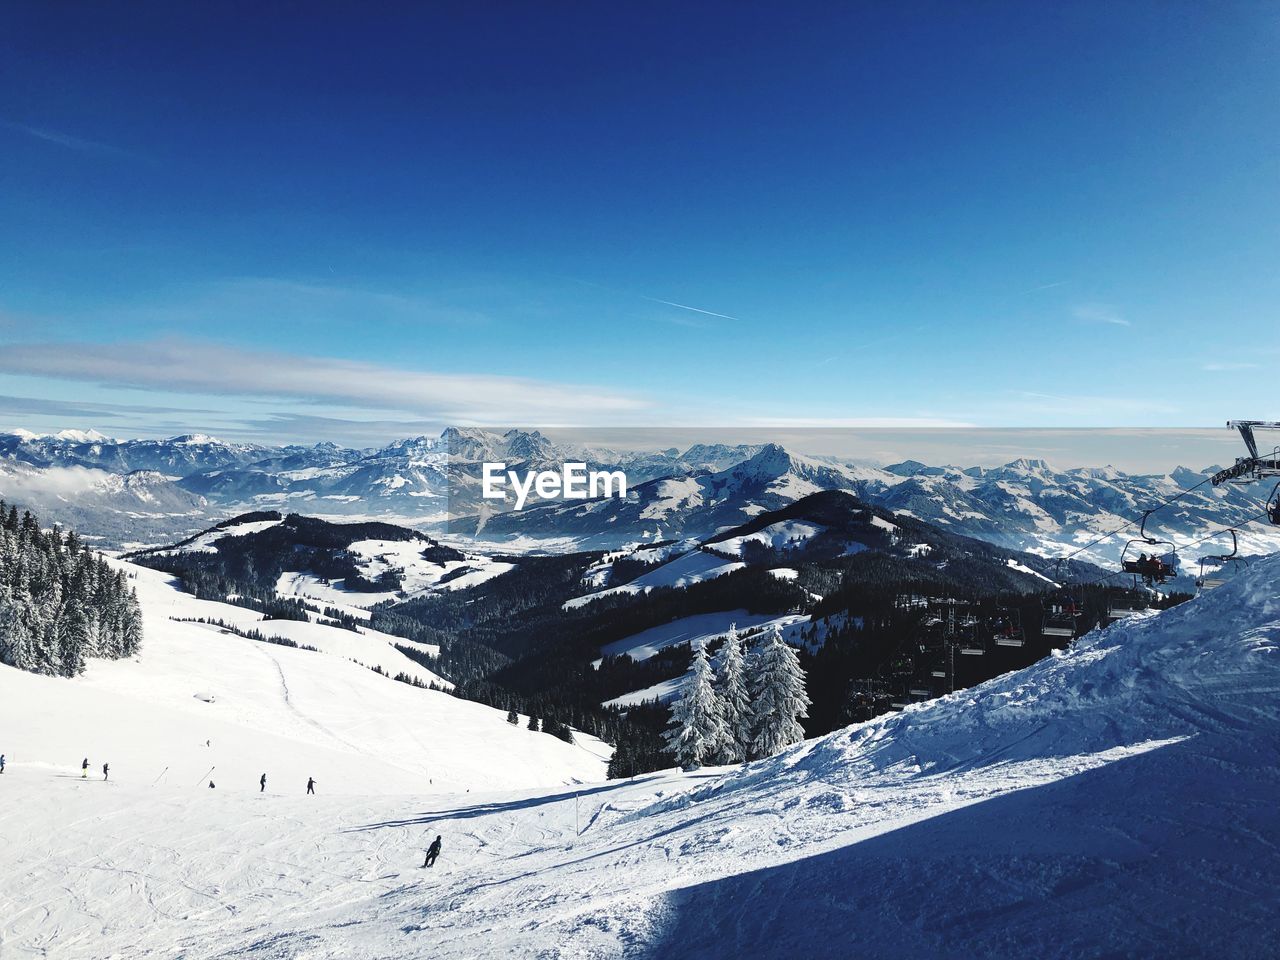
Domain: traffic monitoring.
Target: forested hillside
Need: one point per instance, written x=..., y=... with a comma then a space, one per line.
x=60, y=603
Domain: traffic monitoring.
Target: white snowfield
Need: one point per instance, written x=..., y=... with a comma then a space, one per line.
x=783, y=535
x=198, y=697
x=684, y=571
x=1116, y=800
x=163, y=603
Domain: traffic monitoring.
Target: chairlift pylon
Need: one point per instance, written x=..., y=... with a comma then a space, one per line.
x=1259, y=464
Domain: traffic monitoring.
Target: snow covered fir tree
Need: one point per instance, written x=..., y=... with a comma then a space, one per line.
x=735, y=704
x=60, y=602
x=747, y=710
x=778, y=697
x=697, y=727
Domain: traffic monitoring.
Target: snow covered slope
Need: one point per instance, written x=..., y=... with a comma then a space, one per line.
x=686, y=570
x=1117, y=800
x=265, y=707
x=375, y=558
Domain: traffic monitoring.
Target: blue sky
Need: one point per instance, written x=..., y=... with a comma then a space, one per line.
x=311, y=223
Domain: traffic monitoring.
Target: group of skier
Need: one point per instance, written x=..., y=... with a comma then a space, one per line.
x=84, y=769
x=429, y=860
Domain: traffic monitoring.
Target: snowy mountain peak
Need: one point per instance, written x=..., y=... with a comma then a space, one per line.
x=75, y=436
x=1028, y=465
x=528, y=445
x=771, y=461
x=195, y=440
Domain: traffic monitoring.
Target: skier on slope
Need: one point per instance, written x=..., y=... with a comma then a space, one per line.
x=262, y=784
x=1, y=763
x=311, y=784
x=84, y=768
x=433, y=851
x=106, y=769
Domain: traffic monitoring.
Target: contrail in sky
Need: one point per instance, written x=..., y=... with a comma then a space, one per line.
x=685, y=306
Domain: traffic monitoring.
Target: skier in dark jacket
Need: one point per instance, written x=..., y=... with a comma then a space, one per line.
x=1, y=763
x=84, y=768
x=262, y=784
x=433, y=851
x=106, y=768
x=311, y=785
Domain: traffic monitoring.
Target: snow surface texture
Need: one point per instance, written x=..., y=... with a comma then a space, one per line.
x=1116, y=800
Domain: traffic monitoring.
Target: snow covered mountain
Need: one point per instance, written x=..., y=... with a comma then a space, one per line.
x=434, y=482
x=1117, y=799
x=694, y=505
x=347, y=567
x=1024, y=505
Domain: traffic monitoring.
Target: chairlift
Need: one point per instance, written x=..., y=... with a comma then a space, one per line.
x=1219, y=564
x=1273, y=506
x=1153, y=568
x=1006, y=627
x=1061, y=616
x=1122, y=602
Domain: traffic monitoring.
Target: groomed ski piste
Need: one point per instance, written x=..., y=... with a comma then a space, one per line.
x=1118, y=799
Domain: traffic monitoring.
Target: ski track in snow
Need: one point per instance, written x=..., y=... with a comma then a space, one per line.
x=1115, y=800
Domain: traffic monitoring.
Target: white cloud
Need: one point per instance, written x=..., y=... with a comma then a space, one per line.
x=206, y=368
x=67, y=140
x=1226, y=366
x=1099, y=313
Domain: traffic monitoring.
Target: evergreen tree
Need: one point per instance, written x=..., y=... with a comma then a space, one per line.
x=533, y=722
x=60, y=603
x=778, y=697
x=513, y=718
x=697, y=730
x=735, y=702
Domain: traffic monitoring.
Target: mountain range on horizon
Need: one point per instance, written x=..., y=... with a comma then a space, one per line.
x=138, y=491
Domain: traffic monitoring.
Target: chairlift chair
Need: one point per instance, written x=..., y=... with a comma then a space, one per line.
x=1211, y=581
x=1006, y=627
x=1123, y=603
x=1061, y=615
x=1153, y=569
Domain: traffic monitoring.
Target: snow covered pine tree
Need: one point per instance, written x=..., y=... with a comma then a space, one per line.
x=778, y=697
x=697, y=730
x=735, y=703
x=60, y=603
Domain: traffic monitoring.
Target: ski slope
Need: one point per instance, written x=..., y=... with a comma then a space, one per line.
x=1115, y=800
x=198, y=697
